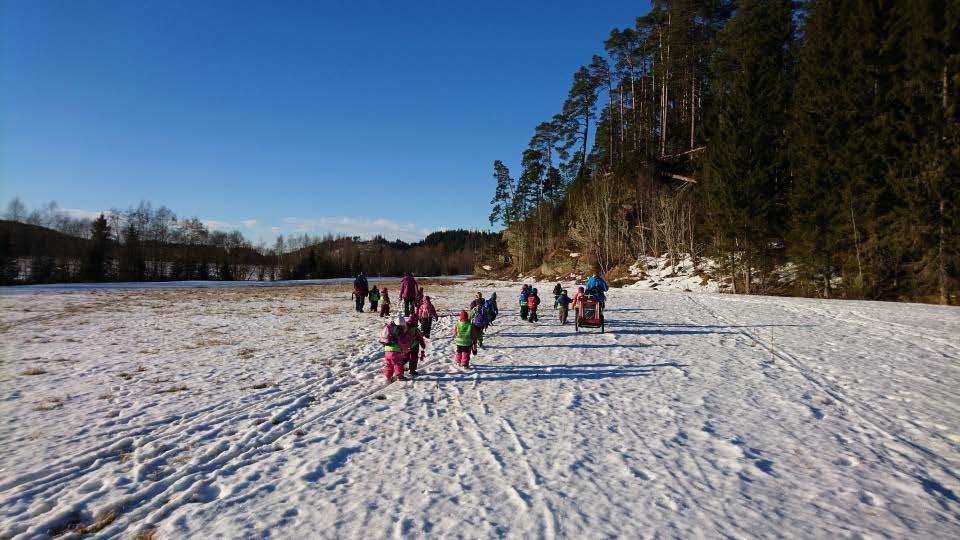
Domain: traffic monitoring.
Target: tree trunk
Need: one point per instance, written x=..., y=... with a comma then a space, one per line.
x=623, y=124
x=693, y=110
x=633, y=100
x=942, y=263
x=610, y=101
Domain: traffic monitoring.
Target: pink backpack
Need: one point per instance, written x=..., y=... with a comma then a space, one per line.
x=388, y=334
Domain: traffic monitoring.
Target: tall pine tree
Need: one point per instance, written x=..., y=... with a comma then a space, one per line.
x=746, y=170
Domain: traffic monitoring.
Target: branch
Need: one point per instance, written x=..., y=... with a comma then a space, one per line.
x=678, y=177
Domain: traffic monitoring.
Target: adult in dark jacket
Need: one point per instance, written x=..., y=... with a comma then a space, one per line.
x=408, y=294
x=360, y=290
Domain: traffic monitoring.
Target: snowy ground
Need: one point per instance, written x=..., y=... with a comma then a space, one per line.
x=255, y=412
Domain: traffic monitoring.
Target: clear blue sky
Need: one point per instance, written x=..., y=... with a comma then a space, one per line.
x=312, y=116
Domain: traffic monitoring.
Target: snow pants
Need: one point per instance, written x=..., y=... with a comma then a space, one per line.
x=359, y=300
x=409, y=306
x=373, y=306
x=411, y=359
x=392, y=364
x=425, y=326
x=479, y=333
x=463, y=356
x=384, y=310
x=563, y=314
x=523, y=311
x=533, y=315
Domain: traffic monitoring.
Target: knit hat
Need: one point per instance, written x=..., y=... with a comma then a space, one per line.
x=464, y=317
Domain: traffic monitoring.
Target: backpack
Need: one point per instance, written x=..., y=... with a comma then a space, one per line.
x=388, y=334
x=491, y=309
x=480, y=319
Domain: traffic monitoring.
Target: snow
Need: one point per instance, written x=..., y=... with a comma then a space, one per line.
x=244, y=412
x=205, y=284
x=661, y=273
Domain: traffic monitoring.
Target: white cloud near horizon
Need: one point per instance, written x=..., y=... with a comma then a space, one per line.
x=352, y=226
x=362, y=227
x=85, y=214
x=217, y=225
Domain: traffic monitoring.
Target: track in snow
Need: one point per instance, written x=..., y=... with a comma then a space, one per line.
x=246, y=411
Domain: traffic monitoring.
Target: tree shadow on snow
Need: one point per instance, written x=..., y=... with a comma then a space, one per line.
x=495, y=373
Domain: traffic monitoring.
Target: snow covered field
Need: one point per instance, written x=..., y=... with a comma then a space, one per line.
x=261, y=411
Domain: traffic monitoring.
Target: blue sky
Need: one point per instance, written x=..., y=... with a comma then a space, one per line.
x=284, y=116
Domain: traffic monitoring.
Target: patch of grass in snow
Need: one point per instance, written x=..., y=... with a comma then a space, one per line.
x=247, y=353
x=74, y=524
x=262, y=385
x=148, y=534
x=51, y=403
x=33, y=371
x=71, y=522
x=171, y=389
x=100, y=523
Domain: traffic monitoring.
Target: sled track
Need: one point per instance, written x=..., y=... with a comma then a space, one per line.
x=863, y=411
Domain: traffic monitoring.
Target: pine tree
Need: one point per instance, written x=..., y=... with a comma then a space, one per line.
x=574, y=123
x=503, y=197
x=132, y=263
x=928, y=180
x=93, y=267
x=746, y=170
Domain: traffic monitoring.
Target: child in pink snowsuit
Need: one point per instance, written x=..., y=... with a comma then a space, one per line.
x=427, y=314
x=396, y=345
x=463, y=337
x=417, y=345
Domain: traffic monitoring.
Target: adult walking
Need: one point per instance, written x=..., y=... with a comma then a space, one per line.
x=360, y=290
x=596, y=286
x=408, y=294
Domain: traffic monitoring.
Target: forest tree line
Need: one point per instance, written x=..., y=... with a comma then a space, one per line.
x=821, y=137
x=143, y=243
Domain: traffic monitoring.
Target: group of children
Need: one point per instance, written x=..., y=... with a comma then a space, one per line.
x=472, y=322
x=410, y=294
x=529, y=300
x=382, y=298
x=404, y=339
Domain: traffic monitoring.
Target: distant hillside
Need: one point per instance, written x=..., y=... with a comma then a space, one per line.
x=36, y=254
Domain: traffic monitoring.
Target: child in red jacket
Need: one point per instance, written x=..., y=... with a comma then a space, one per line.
x=532, y=302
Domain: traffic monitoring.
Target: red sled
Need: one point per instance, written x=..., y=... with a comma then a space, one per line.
x=589, y=314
